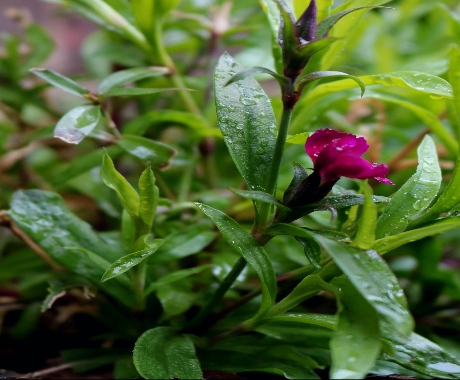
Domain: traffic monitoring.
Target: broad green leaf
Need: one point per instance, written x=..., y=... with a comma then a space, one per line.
x=420, y=355
x=247, y=122
x=175, y=276
x=259, y=196
x=148, y=197
x=309, y=78
x=273, y=16
x=184, y=243
x=323, y=320
x=415, y=195
x=123, y=77
x=355, y=345
x=129, y=261
x=366, y=228
x=392, y=242
x=162, y=353
x=45, y=218
x=158, y=154
x=254, y=254
x=368, y=272
x=125, y=192
x=137, y=91
x=60, y=81
x=450, y=196
x=78, y=123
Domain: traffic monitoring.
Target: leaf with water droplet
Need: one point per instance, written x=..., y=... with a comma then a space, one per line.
x=127, y=262
x=415, y=195
x=148, y=197
x=78, y=123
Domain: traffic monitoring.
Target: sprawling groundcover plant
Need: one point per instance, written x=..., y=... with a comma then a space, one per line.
x=179, y=277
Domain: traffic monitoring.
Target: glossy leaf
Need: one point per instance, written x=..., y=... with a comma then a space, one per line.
x=247, y=122
x=123, y=77
x=254, y=254
x=355, y=345
x=273, y=15
x=259, y=196
x=312, y=250
x=415, y=195
x=45, y=218
x=78, y=123
x=256, y=70
x=158, y=154
x=450, y=197
x=148, y=197
x=309, y=78
x=125, y=192
x=299, y=175
x=138, y=91
x=392, y=242
x=323, y=320
x=162, y=353
x=129, y=261
x=365, y=235
x=306, y=51
x=60, y=81
x=128, y=231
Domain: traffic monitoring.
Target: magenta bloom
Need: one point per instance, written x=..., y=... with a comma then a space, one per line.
x=338, y=154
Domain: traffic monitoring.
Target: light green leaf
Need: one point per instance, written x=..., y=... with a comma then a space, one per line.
x=129, y=261
x=415, y=195
x=162, y=353
x=323, y=320
x=148, y=197
x=299, y=138
x=273, y=15
x=125, y=192
x=254, y=254
x=123, y=77
x=78, y=123
x=366, y=228
x=355, y=345
x=309, y=78
x=247, y=123
x=60, y=81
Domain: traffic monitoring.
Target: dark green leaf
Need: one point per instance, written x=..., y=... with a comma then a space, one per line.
x=259, y=196
x=323, y=320
x=78, y=123
x=312, y=250
x=161, y=353
x=148, y=197
x=256, y=70
x=305, y=51
x=299, y=175
x=415, y=195
x=158, y=154
x=247, y=123
x=137, y=91
x=60, y=81
x=307, y=79
x=254, y=254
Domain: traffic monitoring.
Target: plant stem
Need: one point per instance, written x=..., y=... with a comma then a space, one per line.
x=220, y=292
x=139, y=273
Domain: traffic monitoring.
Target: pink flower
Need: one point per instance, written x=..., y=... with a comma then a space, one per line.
x=338, y=154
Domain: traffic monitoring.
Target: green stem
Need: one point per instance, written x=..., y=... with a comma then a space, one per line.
x=220, y=292
x=139, y=273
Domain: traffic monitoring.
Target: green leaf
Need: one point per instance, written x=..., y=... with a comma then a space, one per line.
x=366, y=229
x=312, y=250
x=450, y=197
x=247, y=123
x=125, y=192
x=78, y=123
x=323, y=320
x=137, y=91
x=123, y=77
x=256, y=70
x=306, y=51
x=273, y=16
x=158, y=154
x=254, y=254
x=325, y=26
x=45, y=218
x=259, y=196
x=60, y=81
x=392, y=242
x=309, y=78
x=148, y=197
x=299, y=138
x=42, y=45
x=128, y=231
x=129, y=261
x=355, y=345
x=420, y=355
x=161, y=353
x=415, y=195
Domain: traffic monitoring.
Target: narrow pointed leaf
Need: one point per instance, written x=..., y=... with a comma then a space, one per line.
x=366, y=229
x=306, y=51
x=355, y=345
x=148, y=197
x=299, y=175
x=309, y=78
x=256, y=70
x=60, y=81
x=129, y=261
x=245, y=245
x=247, y=122
x=78, y=123
x=163, y=353
x=123, y=77
x=323, y=320
x=259, y=196
x=125, y=192
x=138, y=91
x=273, y=15
x=415, y=195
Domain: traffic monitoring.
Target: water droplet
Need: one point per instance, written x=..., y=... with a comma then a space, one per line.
x=247, y=101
